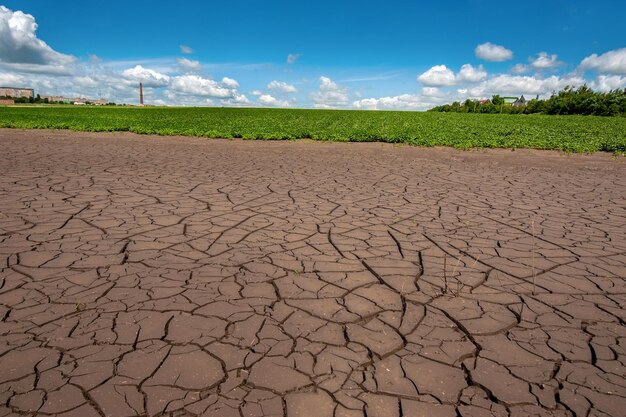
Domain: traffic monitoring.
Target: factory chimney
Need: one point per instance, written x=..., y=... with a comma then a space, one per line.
x=140, y=94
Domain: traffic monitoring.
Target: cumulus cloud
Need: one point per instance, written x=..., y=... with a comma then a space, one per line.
x=282, y=87
x=490, y=52
x=229, y=83
x=330, y=95
x=21, y=49
x=148, y=77
x=184, y=49
x=442, y=76
x=366, y=104
x=437, y=76
x=86, y=81
x=268, y=100
x=291, y=58
x=10, y=79
x=517, y=84
x=256, y=92
x=543, y=61
x=327, y=84
x=197, y=86
x=172, y=97
x=613, y=62
x=520, y=68
x=401, y=102
x=431, y=92
x=608, y=82
x=236, y=100
x=471, y=74
x=189, y=64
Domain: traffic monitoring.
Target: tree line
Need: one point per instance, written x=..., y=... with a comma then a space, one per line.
x=39, y=100
x=582, y=100
x=32, y=100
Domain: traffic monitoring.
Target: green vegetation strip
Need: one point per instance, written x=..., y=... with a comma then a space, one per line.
x=566, y=133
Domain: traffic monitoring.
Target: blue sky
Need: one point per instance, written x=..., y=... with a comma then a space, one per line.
x=344, y=54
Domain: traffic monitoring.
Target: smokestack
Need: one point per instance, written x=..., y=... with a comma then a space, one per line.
x=140, y=94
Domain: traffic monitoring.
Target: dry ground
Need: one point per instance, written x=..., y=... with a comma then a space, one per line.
x=182, y=276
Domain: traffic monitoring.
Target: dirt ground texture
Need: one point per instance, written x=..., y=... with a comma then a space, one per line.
x=146, y=276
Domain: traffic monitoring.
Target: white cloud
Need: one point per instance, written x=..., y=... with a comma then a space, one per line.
x=442, y=76
x=230, y=83
x=437, y=76
x=543, y=61
x=189, y=64
x=282, y=86
x=326, y=84
x=517, y=84
x=22, y=50
x=431, y=92
x=9, y=79
x=53, y=70
x=197, y=86
x=92, y=82
x=149, y=77
x=86, y=81
x=613, y=62
x=520, y=69
x=368, y=103
x=237, y=100
x=291, y=58
x=186, y=49
x=330, y=95
x=190, y=89
x=256, y=92
x=470, y=74
x=608, y=82
x=490, y=52
x=268, y=100
x=172, y=97
x=401, y=102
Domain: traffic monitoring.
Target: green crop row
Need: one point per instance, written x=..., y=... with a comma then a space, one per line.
x=566, y=133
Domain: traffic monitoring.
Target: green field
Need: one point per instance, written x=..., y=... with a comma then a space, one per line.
x=567, y=133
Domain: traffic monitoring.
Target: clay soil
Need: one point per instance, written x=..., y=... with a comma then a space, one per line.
x=146, y=276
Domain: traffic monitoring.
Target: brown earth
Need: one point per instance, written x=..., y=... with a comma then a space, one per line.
x=145, y=275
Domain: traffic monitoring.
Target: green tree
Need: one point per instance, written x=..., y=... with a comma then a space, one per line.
x=497, y=100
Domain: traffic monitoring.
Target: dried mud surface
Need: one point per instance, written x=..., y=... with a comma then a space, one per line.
x=148, y=276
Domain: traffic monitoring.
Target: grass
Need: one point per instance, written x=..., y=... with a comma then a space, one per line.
x=565, y=133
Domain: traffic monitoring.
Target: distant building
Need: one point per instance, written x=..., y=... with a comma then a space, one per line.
x=77, y=100
x=16, y=92
x=11, y=93
x=515, y=101
x=6, y=101
x=54, y=98
x=520, y=102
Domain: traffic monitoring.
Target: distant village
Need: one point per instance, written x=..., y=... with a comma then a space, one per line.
x=13, y=95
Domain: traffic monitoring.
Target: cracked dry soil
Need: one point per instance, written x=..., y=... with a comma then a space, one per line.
x=148, y=276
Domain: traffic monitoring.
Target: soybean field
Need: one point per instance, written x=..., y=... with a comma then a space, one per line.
x=565, y=133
